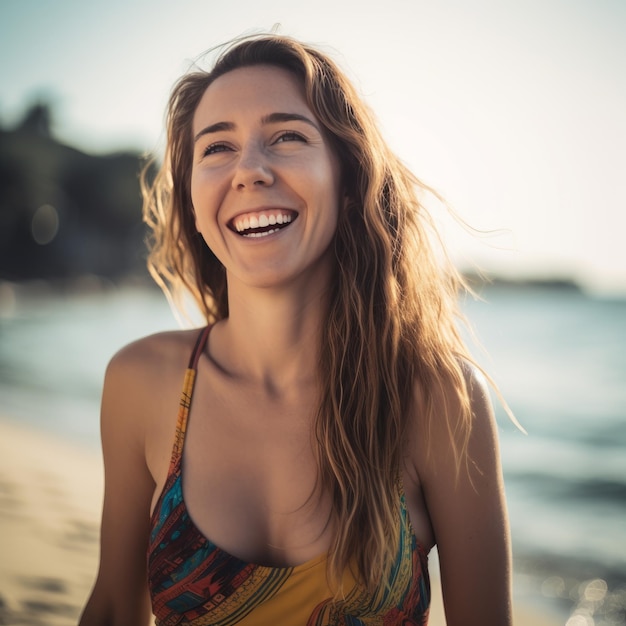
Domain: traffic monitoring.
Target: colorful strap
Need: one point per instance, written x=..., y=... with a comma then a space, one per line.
x=185, y=401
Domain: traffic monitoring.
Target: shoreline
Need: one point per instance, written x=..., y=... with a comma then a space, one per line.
x=50, y=504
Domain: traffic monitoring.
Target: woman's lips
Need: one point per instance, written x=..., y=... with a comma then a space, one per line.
x=262, y=222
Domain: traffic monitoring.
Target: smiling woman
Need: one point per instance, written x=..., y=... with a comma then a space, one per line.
x=260, y=154
x=331, y=428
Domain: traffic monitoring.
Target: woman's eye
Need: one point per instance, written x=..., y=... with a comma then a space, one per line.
x=215, y=148
x=290, y=136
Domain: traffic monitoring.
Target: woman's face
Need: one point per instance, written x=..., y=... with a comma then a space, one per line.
x=265, y=184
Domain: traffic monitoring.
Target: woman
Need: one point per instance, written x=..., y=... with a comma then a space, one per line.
x=337, y=430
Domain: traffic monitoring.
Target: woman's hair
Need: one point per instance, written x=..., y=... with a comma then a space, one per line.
x=391, y=319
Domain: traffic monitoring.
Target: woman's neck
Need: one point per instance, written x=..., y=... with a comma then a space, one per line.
x=271, y=337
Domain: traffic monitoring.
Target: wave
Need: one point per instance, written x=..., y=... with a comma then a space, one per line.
x=582, y=490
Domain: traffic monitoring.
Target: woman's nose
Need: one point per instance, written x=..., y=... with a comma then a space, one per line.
x=253, y=169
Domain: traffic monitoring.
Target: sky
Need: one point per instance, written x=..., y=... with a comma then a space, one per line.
x=514, y=111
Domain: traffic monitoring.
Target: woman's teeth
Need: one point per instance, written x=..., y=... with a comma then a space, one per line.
x=249, y=225
x=264, y=233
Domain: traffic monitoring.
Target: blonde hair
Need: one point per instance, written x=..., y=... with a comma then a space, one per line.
x=391, y=319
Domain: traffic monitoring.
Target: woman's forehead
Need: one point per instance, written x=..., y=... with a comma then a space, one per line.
x=261, y=88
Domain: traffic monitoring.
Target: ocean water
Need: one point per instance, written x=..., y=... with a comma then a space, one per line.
x=558, y=357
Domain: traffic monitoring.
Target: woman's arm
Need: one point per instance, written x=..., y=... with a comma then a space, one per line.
x=120, y=595
x=468, y=512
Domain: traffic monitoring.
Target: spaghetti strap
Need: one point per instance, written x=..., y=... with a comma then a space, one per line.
x=197, y=350
x=185, y=399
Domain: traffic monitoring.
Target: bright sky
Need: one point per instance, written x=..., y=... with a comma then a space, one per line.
x=514, y=111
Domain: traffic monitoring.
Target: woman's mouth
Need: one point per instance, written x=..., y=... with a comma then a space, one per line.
x=262, y=223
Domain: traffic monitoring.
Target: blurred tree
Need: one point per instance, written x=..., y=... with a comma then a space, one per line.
x=64, y=213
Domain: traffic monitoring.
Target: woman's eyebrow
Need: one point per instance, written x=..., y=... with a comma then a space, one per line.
x=271, y=118
x=274, y=118
x=214, y=128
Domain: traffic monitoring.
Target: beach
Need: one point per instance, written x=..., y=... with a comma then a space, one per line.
x=50, y=501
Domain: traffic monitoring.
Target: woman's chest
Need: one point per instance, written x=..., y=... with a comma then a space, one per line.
x=250, y=478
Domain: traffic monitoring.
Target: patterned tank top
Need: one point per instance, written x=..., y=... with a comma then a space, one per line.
x=192, y=581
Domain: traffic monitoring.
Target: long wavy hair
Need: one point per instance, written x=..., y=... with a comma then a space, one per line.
x=391, y=322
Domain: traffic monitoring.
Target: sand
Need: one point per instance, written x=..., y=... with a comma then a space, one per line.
x=50, y=499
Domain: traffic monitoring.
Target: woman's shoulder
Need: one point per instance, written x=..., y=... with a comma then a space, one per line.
x=448, y=414
x=158, y=352
x=144, y=379
x=446, y=394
